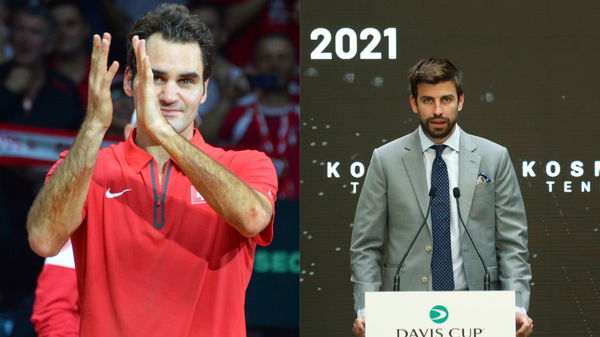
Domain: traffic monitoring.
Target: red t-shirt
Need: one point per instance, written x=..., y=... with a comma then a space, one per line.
x=275, y=131
x=157, y=260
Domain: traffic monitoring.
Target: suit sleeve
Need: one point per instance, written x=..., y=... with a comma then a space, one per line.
x=368, y=233
x=511, y=233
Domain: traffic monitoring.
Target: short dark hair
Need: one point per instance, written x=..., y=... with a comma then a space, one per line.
x=434, y=70
x=175, y=24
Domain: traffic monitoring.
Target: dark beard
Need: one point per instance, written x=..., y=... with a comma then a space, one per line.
x=438, y=135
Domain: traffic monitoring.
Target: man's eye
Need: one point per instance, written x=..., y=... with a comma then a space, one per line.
x=158, y=79
x=427, y=100
x=186, y=81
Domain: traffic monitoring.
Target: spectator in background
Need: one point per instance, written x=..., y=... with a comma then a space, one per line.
x=270, y=123
x=228, y=83
x=70, y=58
x=30, y=94
x=137, y=9
x=5, y=50
x=249, y=20
x=115, y=18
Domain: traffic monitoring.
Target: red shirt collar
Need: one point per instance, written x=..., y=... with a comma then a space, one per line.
x=137, y=158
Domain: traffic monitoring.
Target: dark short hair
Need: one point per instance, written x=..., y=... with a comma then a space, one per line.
x=434, y=70
x=175, y=24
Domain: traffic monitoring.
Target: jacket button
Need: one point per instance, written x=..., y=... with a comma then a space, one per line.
x=428, y=248
x=424, y=279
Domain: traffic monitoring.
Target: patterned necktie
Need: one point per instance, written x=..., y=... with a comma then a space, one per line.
x=441, y=260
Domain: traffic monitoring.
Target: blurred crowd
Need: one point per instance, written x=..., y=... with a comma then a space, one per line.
x=252, y=103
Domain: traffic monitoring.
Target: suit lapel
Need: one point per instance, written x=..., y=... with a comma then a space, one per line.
x=415, y=168
x=468, y=169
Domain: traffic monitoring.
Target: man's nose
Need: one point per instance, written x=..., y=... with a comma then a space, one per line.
x=169, y=93
x=438, y=107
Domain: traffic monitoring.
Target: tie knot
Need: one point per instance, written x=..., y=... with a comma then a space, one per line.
x=438, y=149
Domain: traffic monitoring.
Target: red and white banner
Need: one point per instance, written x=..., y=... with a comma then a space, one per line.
x=28, y=145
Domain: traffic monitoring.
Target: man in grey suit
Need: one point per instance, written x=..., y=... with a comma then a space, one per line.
x=394, y=202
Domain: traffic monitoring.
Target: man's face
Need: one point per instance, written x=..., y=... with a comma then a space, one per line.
x=29, y=38
x=275, y=55
x=178, y=82
x=72, y=31
x=437, y=106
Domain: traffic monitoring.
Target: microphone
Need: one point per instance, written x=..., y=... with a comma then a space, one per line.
x=486, y=280
x=432, y=193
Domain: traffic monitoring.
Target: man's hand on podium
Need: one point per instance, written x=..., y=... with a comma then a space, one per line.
x=359, y=327
x=524, y=325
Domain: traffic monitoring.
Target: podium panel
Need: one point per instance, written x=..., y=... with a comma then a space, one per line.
x=440, y=314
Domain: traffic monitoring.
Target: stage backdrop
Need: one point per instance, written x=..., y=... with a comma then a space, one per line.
x=532, y=83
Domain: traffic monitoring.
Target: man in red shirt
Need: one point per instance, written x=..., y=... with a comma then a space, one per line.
x=270, y=120
x=164, y=226
x=70, y=58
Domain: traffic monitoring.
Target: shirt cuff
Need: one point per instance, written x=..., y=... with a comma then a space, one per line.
x=521, y=310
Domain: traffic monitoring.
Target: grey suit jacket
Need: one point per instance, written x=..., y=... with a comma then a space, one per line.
x=393, y=204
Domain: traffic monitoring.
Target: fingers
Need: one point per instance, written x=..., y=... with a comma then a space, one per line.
x=99, y=107
x=526, y=325
x=359, y=327
x=112, y=71
x=105, y=46
x=139, y=49
x=525, y=331
x=144, y=70
x=96, y=43
x=144, y=63
x=100, y=49
x=135, y=41
x=142, y=60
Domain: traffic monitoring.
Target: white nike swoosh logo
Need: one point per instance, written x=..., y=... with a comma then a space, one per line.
x=114, y=195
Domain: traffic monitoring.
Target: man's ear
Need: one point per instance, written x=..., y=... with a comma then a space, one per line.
x=204, y=95
x=128, y=82
x=461, y=102
x=413, y=104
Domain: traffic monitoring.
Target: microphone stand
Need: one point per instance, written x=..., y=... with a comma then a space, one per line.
x=486, y=279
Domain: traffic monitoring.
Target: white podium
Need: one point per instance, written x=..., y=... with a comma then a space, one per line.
x=440, y=314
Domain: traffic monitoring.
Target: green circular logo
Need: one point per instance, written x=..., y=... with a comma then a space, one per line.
x=438, y=314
